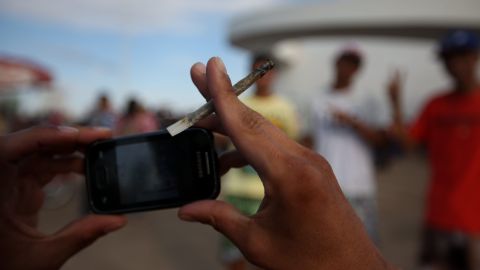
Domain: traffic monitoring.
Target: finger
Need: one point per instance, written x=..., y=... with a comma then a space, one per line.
x=250, y=132
x=38, y=139
x=222, y=216
x=45, y=168
x=59, y=140
x=199, y=77
x=198, y=72
x=235, y=159
x=270, y=131
x=231, y=159
x=211, y=123
x=397, y=77
x=88, y=135
x=82, y=233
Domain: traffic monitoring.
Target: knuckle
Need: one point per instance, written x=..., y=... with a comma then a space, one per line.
x=212, y=219
x=219, y=210
x=308, y=175
x=41, y=132
x=251, y=120
x=221, y=88
x=316, y=160
x=324, y=165
x=308, y=182
x=310, y=155
x=299, y=167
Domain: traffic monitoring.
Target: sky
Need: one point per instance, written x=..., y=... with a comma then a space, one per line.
x=145, y=48
x=126, y=48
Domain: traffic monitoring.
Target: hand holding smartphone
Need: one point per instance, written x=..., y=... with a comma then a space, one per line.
x=151, y=171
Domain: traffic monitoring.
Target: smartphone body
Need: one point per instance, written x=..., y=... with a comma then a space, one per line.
x=151, y=171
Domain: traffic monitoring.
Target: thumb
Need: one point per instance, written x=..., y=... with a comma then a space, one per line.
x=83, y=232
x=222, y=216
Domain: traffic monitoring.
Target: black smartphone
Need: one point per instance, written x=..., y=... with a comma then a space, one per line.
x=151, y=171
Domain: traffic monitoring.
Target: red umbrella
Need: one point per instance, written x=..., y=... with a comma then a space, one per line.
x=18, y=73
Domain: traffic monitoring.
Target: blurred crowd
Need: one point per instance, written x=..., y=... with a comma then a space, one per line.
x=350, y=132
x=134, y=118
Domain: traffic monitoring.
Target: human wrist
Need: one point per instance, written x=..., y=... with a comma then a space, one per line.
x=363, y=261
x=348, y=246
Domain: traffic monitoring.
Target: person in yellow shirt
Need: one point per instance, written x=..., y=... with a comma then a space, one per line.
x=243, y=187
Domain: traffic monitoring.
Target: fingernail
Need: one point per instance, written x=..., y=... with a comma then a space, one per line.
x=186, y=217
x=220, y=64
x=113, y=227
x=66, y=129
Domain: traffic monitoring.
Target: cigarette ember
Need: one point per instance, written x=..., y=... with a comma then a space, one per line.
x=207, y=109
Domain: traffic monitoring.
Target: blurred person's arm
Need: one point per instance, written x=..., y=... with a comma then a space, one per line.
x=399, y=131
x=29, y=159
x=373, y=136
x=304, y=213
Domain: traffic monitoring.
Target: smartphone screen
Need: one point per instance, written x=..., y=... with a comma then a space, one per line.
x=151, y=171
x=146, y=173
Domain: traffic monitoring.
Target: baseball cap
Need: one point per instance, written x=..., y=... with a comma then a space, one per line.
x=458, y=41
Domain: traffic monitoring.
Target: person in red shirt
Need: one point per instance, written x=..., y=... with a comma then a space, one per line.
x=449, y=128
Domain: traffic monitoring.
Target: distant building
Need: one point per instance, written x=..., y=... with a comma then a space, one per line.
x=392, y=34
